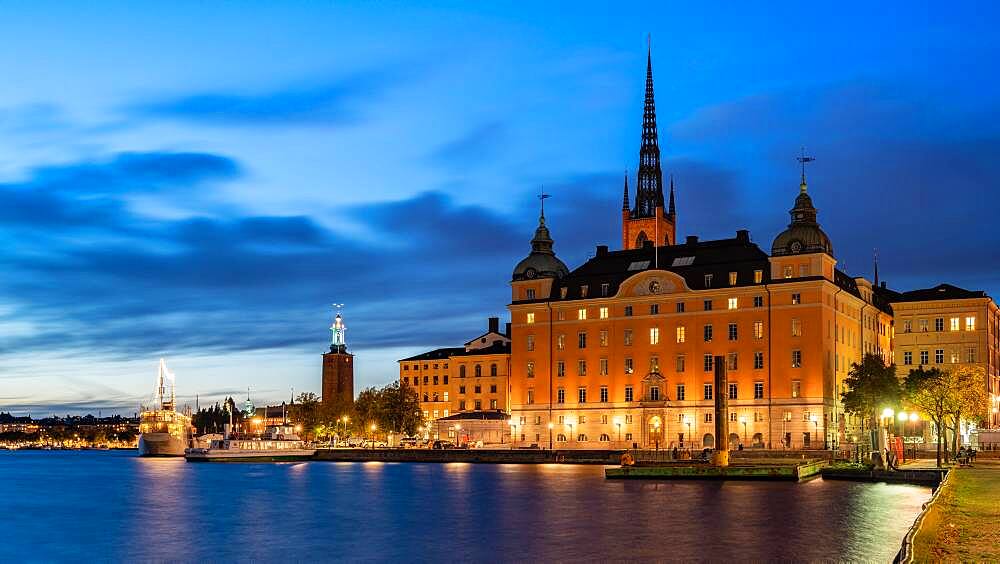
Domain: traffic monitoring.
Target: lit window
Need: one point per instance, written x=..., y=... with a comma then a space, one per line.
x=603, y=312
x=788, y=272
x=732, y=278
x=796, y=388
x=796, y=299
x=581, y=367
x=531, y=370
x=654, y=363
x=627, y=336
x=758, y=329
x=581, y=314
x=531, y=342
x=796, y=327
x=954, y=324
x=654, y=335
x=681, y=334
x=531, y=397
x=758, y=276
x=954, y=356
x=531, y=318
x=628, y=366
x=604, y=337
x=732, y=303
x=970, y=323
x=796, y=358
x=604, y=367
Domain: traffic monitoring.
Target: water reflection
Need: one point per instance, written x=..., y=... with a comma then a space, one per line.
x=117, y=506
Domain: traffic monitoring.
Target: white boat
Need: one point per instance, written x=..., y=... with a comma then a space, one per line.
x=276, y=444
x=164, y=431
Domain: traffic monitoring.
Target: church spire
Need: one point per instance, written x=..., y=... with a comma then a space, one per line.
x=625, y=197
x=672, y=212
x=649, y=189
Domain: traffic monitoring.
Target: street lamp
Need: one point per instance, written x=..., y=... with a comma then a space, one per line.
x=815, y=419
x=513, y=432
x=569, y=421
x=550, y=435
x=373, y=427
x=687, y=421
x=743, y=420
x=656, y=431
x=618, y=423
x=458, y=440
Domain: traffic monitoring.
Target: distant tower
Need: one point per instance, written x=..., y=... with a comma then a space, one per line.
x=649, y=220
x=338, y=365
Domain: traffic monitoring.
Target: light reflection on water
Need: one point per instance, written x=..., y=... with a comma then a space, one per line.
x=114, y=505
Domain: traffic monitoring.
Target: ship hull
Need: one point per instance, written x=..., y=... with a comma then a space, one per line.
x=161, y=444
x=281, y=455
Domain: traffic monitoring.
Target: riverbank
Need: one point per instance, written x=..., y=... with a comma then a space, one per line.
x=744, y=470
x=477, y=456
x=960, y=523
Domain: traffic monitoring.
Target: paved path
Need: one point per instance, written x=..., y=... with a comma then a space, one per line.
x=963, y=523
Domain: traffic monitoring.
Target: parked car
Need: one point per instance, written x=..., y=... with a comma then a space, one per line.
x=443, y=445
x=408, y=442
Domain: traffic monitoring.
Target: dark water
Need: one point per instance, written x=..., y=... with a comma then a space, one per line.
x=115, y=506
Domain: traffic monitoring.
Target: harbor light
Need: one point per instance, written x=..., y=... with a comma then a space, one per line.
x=902, y=416
x=914, y=416
x=888, y=412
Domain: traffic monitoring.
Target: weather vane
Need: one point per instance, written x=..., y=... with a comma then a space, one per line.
x=803, y=159
x=541, y=198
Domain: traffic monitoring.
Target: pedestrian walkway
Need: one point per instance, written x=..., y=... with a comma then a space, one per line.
x=961, y=523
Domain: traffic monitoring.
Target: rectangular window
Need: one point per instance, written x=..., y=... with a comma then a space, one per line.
x=628, y=393
x=732, y=278
x=679, y=307
x=628, y=311
x=604, y=395
x=446, y=396
x=654, y=393
x=758, y=391
x=561, y=341
x=583, y=291
x=680, y=392
x=796, y=388
x=731, y=361
x=493, y=389
x=923, y=357
x=531, y=398
x=581, y=340
x=970, y=323
x=627, y=335
x=907, y=326
x=708, y=391
x=581, y=314
x=787, y=272
x=604, y=367
x=796, y=299
x=954, y=356
x=954, y=324
x=707, y=305
x=939, y=356
x=530, y=318
x=605, y=288
x=493, y=405
x=530, y=293
x=654, y=363
x=758, y=360
x=733, y=334
x=733, y=303
x=604, y=337
x=582, y=395
x=708, y=418
x=733, y=392
x=758, y=276
x=681, y=334
x=708, y=280
x=796, y=328
x=680, y=363
x=654, y=309
x=581, y=368
x=531, y=342
x=628, y=366
x=708, y=333
x=560, y=368
x=709, y=362
x=970, y=354
x=654, y=335
x=560, y=396
x=531, y=370
x=479, y=388
x=758, y=329
x=803, y=270
x=796, y=358
x=603, y=312
x=923, y=325
x=939, y=324
x=907, y=358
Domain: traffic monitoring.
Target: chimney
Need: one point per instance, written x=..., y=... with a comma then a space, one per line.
x=883, y=284
x=742, y=235
x=602, y=250
x=692, y=239
x=494, y=325
x=507, y=330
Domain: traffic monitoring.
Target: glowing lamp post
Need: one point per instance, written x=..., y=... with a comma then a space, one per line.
x=550, y=435
x=618, y=423
x=373, y=427
x=815, y=419
x=687, y=421
x=743, y=420
x=513, y=432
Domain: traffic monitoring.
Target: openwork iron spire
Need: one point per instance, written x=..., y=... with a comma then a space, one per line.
x=672, y=212
x=649, y=191
x=625, y=206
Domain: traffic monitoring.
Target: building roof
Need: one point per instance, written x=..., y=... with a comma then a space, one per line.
x=498, y=347
x=939, y=292
x=477, y=416
x=436, y=354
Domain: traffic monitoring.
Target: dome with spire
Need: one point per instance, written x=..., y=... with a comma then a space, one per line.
x=804, y=234
x=542, y=261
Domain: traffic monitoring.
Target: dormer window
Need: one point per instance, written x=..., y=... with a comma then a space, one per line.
x=732, y=278
x=563, y=292
x=529, y=293
x=708, y=280
x=583, y=291
x=605, y=288
x=788, y=272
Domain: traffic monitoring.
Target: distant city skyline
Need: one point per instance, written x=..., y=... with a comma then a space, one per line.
x=203, y=182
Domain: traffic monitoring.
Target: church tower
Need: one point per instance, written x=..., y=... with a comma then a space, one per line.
x=649, y=220
x=338, y=367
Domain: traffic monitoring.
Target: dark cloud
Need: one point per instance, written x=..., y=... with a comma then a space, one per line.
x=335, y=102
x=474, y=148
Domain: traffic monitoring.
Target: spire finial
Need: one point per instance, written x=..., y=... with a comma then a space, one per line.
x=672, y=211
x=625, y=197
x=875, y=259
x=541, y=199
x=803, y=159
x=338, y=343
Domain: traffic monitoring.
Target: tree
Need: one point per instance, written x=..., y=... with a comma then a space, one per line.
x=931, y=391
x=871, y=386
x=400, y=408
x=971, y=401
x=307, y=411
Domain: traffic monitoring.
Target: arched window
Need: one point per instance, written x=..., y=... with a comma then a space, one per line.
x=581, y=437
x=734, y=441
x=493, y=370
x=758, y=440
x=561, y=438
x=461, y=371
x=708, y=441
x=666, y=239
x=479, y=370
x=641, y=239
x=605, y=438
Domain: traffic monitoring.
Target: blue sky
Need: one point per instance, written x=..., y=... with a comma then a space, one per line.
x=202, y=181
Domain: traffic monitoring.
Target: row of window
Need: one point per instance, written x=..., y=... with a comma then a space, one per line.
x=708, y=364
x=417, y=366
x=603, y=312
x=758, y=417
x=476, y=369
x=954, y=324
x=680, y=335
x=477, y=389
x=653, y=393
x=955, y=356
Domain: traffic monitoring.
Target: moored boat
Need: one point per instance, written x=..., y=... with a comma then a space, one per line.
x=164, y=431
x=277, y=444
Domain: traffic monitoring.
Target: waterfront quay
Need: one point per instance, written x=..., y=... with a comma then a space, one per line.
x=488, y=456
